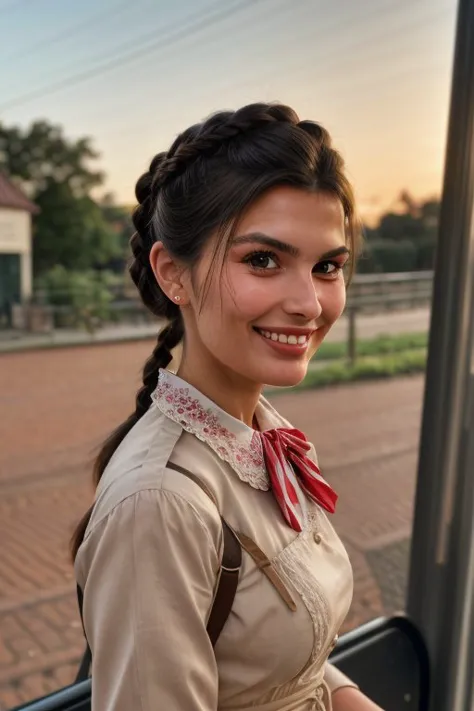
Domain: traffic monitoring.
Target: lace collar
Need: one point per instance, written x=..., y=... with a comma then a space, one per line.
x=232, y=440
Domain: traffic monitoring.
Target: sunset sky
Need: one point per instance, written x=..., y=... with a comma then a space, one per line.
x=131, y=75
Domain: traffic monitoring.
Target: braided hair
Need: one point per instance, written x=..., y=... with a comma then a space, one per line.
x=202, y=184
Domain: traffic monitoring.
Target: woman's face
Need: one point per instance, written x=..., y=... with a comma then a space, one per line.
x=280, y=290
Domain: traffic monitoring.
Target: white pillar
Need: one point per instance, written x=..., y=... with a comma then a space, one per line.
x=26, y=276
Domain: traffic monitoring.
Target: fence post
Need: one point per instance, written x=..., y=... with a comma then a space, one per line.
x=351, y=335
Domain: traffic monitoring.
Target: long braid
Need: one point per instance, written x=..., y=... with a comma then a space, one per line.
x=168, y=338
x=154, y=299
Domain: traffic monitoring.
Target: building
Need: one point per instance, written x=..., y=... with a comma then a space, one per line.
x=16, y=269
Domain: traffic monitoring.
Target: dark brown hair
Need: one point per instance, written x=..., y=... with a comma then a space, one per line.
x=209, y=176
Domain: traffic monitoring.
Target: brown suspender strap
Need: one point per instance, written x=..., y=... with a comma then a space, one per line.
x=230, y=567
x=86, y=661
x=265, y=565
x=228, y=578
x=193, y=477
x=256, y=553
x=227, y=582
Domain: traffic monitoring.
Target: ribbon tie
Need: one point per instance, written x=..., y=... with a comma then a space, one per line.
x=292, y=472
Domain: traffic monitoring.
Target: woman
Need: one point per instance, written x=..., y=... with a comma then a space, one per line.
x=243, y=232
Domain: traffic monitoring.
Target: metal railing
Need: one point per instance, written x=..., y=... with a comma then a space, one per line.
x=373, y=293
x=387, y=291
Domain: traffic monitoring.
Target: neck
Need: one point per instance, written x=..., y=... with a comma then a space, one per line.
x=231, y=392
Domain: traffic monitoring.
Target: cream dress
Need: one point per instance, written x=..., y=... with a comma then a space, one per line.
x=149, y=562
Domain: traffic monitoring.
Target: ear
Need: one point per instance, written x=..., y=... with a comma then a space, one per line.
x=168, y=274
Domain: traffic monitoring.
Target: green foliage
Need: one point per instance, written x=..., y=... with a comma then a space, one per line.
x=404, y=240
x=380, y=345
x=389, y=256
x=425, y=252
x=119, y=220
x=384, y=366
x=41, y=154
x=396, y=227
x=82, y=297
x=71, y=231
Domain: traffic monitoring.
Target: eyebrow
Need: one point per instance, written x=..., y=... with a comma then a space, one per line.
x=267, y=241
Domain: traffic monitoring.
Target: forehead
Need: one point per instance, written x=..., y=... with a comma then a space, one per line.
x=294, y=215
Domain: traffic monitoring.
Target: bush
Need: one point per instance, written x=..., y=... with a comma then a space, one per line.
x=425, y=252
x=385, y=366
x=374, y=346
x=392, y=344
x=82, y=298
x=389, y=256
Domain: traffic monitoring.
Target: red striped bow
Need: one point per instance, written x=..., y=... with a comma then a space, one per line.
x=292, y=472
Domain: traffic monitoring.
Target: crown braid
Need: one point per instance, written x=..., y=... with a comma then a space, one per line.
x=207, y=139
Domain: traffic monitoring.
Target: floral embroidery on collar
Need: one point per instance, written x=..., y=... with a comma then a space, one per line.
x=232, y=440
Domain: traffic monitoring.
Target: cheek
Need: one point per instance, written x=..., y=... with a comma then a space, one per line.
x=333, y=300
x=245, y=298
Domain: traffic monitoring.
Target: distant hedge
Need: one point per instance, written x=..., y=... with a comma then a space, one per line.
x=390, y=255
x=369, y=368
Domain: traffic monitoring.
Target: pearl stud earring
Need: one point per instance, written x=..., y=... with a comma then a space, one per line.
x=177, y=298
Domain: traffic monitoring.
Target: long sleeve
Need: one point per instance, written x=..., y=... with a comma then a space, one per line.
x=150, y=571
x=335, y=679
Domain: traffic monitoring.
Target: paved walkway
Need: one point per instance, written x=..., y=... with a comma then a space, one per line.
x=368, y=326
x=60, y=404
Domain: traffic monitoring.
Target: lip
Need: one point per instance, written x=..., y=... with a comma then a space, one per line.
x=289, y=350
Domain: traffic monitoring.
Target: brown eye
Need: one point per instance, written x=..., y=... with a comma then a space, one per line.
x=328, y=268
x=262, y=260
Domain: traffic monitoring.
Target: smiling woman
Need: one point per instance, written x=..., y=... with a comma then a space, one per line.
x=282, y=276
x=210, y=511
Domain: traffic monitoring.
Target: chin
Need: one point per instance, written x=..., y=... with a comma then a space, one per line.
x=286, y=377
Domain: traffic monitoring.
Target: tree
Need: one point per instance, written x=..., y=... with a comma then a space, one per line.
x=404, y=239
x=71, y=231
x=120, y=221
x=41, y=153
x=399, y=227
x=56, y=173
x=413, y=221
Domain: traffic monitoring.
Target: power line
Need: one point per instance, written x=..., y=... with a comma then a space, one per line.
x=170, y=37
x=146, y=37
x=71, y=31
x=331, y=58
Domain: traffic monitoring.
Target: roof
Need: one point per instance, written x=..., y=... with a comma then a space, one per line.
x=11, y=196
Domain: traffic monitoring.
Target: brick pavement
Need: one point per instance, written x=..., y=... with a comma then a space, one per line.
x=56, y=407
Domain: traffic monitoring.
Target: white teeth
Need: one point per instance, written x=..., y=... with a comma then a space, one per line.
x=293, y=340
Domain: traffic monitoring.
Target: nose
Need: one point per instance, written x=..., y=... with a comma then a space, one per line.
x=302, y=298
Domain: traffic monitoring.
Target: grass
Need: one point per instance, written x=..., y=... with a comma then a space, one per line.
x=380, y=345
x=367, y=368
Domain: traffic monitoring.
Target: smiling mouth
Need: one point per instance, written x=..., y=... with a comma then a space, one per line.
x=292, y=339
